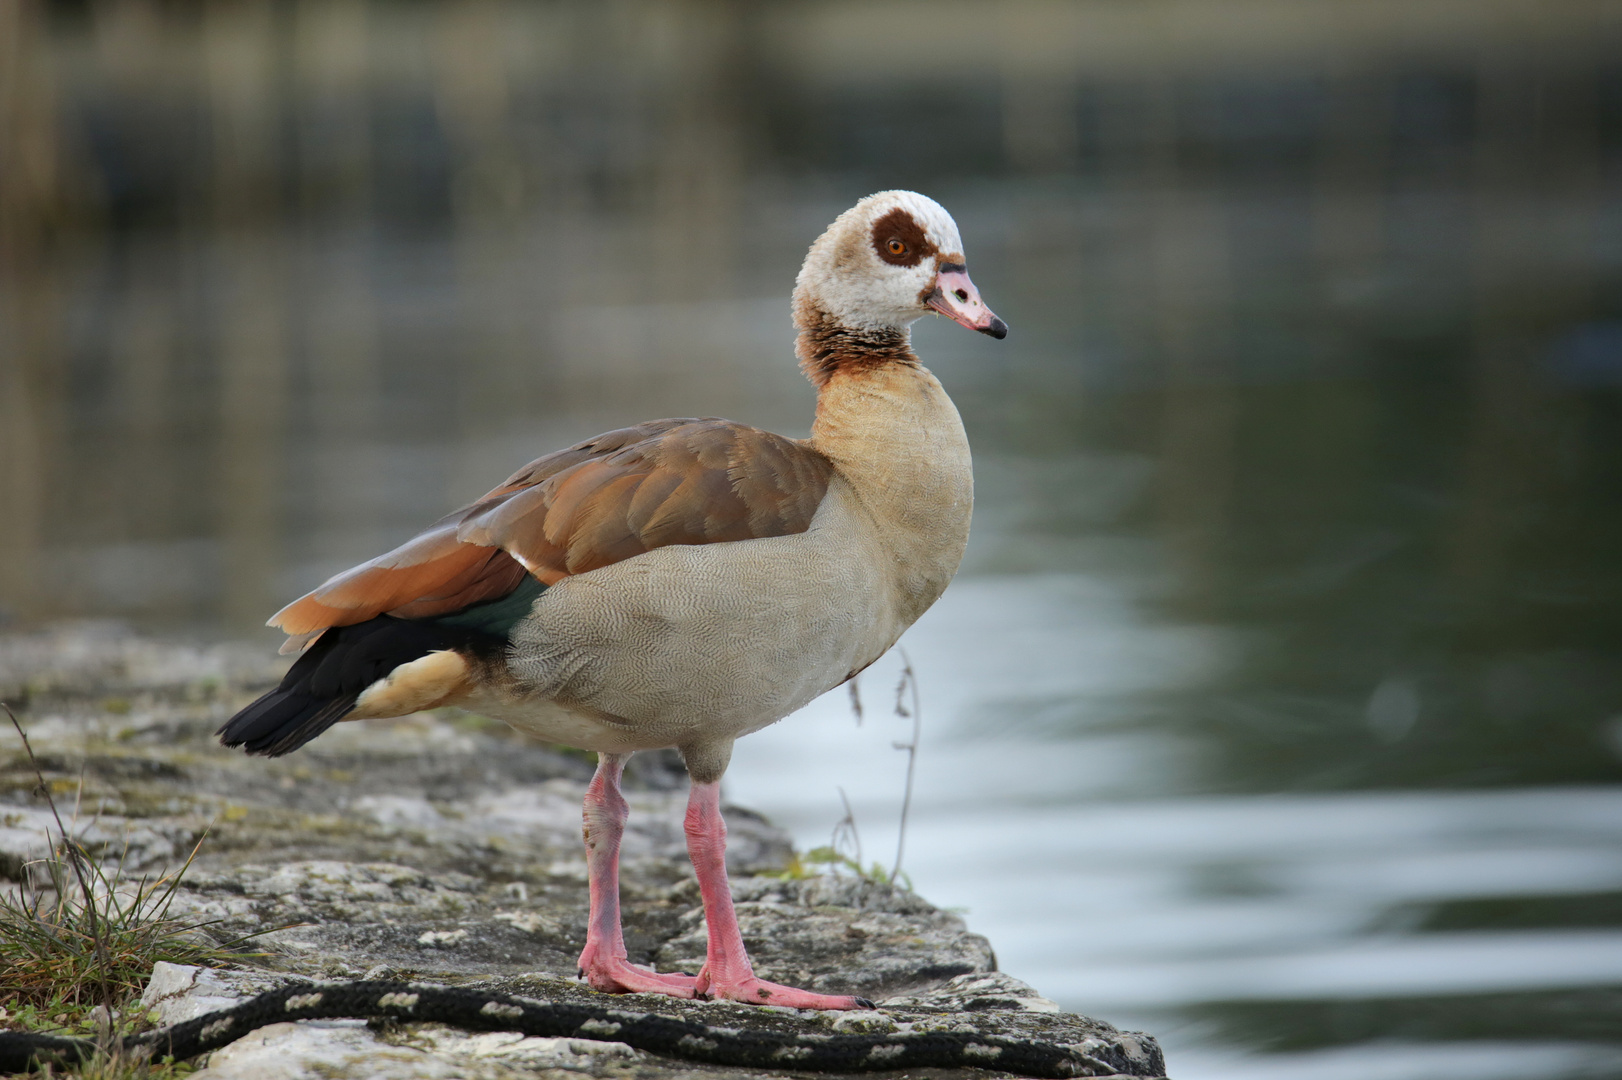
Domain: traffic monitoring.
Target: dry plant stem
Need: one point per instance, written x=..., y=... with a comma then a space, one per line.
x=846, y=826
x=909, y=680
x=75, y=857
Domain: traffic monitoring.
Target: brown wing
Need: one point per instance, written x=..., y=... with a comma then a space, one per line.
x=597, y=503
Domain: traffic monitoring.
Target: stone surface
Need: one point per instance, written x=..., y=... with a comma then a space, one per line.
x=442, y=847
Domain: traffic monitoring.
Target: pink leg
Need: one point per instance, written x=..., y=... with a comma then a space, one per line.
x=727, y=973
x=603, y=964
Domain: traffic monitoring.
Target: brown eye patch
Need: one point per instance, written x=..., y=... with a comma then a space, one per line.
x=899, y=240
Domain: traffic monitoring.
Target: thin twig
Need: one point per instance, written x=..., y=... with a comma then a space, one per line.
x=909, y=680
x=74, y=856
x=847, y=827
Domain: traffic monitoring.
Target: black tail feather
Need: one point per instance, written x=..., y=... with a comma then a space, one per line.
x=323, y=685
x=283, y=721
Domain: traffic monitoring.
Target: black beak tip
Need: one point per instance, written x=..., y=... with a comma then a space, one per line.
x=998, y=329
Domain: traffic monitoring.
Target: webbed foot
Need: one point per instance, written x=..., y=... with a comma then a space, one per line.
x=753, y=991
x=616, y=975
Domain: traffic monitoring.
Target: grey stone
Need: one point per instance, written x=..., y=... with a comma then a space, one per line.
x=442, y=847
x=178, y=992
x=326, y=1050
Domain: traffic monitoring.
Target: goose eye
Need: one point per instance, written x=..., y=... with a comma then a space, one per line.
x=896, y=247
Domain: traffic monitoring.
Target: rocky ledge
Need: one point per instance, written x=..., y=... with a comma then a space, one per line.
x=442, y=848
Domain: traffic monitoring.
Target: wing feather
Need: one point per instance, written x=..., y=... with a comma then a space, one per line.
x=650, y=495
x=611, y=498
x=603, y=535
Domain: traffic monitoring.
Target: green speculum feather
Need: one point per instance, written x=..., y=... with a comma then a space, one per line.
x=497, y=617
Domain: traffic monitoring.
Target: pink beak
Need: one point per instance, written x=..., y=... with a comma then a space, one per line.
x=955, y=296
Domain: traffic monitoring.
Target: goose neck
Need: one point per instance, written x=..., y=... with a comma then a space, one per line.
x=828, y=346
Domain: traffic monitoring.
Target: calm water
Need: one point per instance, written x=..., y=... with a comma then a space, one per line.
x=1418, y=933
x=1278, y=709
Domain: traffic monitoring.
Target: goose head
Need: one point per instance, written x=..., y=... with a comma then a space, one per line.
x=885, y=263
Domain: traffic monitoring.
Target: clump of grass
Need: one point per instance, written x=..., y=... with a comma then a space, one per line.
x=830, y=859
x=124, y=1067
x=74, y=948
x=78, y=941
x=843, y=855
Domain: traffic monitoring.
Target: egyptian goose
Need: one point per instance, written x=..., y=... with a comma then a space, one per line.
x=678, y=583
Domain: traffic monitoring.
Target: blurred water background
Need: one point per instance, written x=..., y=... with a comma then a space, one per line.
x=1279, y=706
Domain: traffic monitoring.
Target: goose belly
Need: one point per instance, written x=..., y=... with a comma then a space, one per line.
x=690, y=644
x=552, y=722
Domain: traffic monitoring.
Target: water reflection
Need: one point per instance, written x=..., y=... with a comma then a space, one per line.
x=1278, y=706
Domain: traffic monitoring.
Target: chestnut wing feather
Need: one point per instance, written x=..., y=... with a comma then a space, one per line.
x=597, y=503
